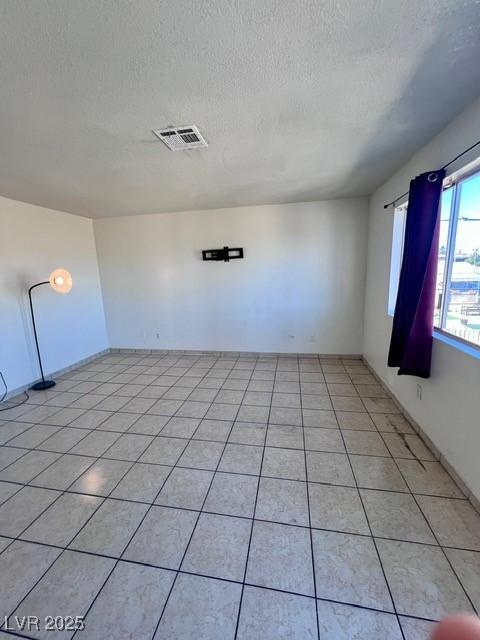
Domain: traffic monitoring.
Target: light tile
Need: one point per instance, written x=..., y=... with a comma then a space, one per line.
x=216, y=430
x=21, y=565
x=343, y=622
x=380, y=405
x=466, y=565
x=281, y=558
x=138, y=405
x=250, y=413
x=95, y=443
x=222, y=411
x=367, y=443
x=267, y=614
x=414, y=629
x=377, y=473
x=421, y=580
x=10, y=430
x=407, y=445
x=60, y=523
x=119, y=421
x=347, y=403
x=63, y=440
x=355, y=421
x=454, y=522
x=142, y=482
x=149, y=425
x=371, y=391
x=391, y=423
x=286, y=400
x=200, y=607
x=130, y=603
x=218, y=547
x=17, y=513
x=319, y=439
x=33, y=437
x=63, y=472
x=341, y=389
x=319, y=418
x=109, y=530
x=200, y=454
x=110, y=403
x=238, y=458
x=314, y=388
x=8, y=455
x=164, y=451
x=329, y=468
x=428, y=478
x=232, y=494
x=165, y=407
x=70, y=584
x=192, y=409
x=185, y=489
x=314, y=402
x=347, y=569
x=200, y=395
x=285, y=436
x=282, y=415
x=162, y=537
x=230, y=396
x=282, y=501
x=248, y=433
x=7, y=489
x=288, y=464
x=91, y=419
x=337, y=508
x=101, y=478
x=396, y=515
x=129, y=446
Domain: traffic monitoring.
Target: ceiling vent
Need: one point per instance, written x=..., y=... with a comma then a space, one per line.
x=179, y=138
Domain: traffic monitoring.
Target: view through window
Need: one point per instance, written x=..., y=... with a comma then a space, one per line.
x=457, y=297
x=458, y=277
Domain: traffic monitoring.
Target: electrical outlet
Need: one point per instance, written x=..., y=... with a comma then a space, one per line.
x=157, y=335
x=419, y=391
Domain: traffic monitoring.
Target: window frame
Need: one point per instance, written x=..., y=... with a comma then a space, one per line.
x=454, y=182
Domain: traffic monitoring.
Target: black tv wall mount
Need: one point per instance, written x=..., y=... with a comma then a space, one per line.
x=226, y=254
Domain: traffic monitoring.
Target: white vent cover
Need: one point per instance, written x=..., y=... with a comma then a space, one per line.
x=178, y=138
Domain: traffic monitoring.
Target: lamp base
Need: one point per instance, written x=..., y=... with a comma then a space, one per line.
x=41, y=386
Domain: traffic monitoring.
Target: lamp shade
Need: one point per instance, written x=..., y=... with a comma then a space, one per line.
x=61, y=281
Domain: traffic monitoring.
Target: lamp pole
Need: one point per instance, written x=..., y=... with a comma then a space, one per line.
x=44, y=384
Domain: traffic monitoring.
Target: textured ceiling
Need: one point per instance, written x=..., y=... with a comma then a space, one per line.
x=298, y=99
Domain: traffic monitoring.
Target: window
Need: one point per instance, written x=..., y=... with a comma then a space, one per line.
x=457, y=296
x=399, y=220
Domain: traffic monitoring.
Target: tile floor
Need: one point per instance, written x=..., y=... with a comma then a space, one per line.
x=216, y=496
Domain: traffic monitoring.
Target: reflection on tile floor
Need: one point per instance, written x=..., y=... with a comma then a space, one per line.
x=217, y=495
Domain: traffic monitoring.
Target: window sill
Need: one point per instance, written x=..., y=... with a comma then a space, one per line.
x=457, y=343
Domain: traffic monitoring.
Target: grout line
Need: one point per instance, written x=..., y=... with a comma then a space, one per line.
x=253, y=516
x=373, y=540
x=194, y=529
x=436, y=538
x=310, y=519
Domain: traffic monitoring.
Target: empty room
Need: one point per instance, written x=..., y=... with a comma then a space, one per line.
x=240, y=319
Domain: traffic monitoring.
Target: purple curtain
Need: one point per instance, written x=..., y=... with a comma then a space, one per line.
x=411, y=342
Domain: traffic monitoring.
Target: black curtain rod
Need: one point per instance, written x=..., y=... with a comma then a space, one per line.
x=389, y=204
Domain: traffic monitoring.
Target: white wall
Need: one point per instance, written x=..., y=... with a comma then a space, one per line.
x=300, y=287
x=33, y=242
x=449, y=411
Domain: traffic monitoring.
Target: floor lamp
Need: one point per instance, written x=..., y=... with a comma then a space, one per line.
x=61, y=282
